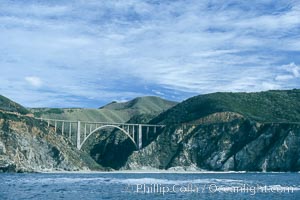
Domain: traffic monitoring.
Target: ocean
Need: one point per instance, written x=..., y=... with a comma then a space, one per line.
x=136, y=186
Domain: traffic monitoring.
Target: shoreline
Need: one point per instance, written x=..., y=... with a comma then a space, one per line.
x=159, y=172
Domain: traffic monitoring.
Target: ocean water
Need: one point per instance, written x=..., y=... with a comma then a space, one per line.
x=138, y=186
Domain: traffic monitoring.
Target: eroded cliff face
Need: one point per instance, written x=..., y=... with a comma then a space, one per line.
x=27, y=145
x=229, y=143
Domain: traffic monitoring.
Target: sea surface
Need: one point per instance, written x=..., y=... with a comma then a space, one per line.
x=136, y=186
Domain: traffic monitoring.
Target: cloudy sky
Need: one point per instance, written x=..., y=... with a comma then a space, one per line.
x=76, y=53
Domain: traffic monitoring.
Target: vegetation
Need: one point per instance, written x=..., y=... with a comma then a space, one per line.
x=145, y=104
x=269, y=106
x=113, y=112
x=48, y=111
x=10, y=106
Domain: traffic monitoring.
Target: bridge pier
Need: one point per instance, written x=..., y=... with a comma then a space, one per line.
x=140, y=145
x=62, y=128
x=78, y=135
x=70, y=131
x=55, y=126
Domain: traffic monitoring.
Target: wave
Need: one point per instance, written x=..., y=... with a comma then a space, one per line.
x=132, y=181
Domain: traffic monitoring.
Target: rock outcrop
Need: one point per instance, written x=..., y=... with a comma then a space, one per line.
x=227, y=131
x=237, y=145
x=27, y=145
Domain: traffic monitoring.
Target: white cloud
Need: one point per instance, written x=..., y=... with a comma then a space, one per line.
x=292, y=68
x=34, y=81
x=158, y=92
x=283, y=77
x=103, y=50
x=290, y=71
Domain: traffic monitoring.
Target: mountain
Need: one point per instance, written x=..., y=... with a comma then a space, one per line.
x=106, y=148
x=11, y=106
x=269, y=106
x=147, y=104
x=227, y=131
x=28, y=145
x=113, y=112
x=81, y=114
x=220, y=131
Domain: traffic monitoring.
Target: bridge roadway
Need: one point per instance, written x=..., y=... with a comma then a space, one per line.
x=82, y=130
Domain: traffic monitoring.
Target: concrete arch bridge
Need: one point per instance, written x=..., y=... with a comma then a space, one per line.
x=82, y=130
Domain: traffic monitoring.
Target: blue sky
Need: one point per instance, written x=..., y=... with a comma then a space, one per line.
x=77, y=53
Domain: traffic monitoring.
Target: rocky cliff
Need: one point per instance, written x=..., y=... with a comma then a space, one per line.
x=239, y=145
x=26, y=145
x=227, y=131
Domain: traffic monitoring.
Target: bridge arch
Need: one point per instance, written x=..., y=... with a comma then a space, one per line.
x=109, y=126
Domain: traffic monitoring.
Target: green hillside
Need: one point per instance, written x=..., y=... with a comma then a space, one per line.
x=81, y=114
x=269, y=106
x=113, y=112
x=11, y=106
x=145, y=104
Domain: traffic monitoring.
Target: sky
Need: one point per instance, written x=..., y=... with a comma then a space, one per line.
x=76, y=53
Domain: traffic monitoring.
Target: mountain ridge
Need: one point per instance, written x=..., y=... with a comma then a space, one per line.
x=11, y=106
x=139, y=103
x=266, y=106
x=112, y=112
x=227, y=132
